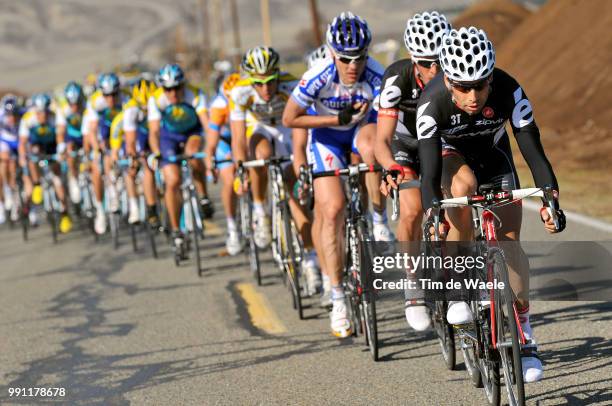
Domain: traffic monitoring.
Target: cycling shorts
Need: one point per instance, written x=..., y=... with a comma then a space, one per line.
x=491, y=165
x=172, y=144
x=223, y=152
x=278, y=136
x=405, y=149
x=11, y=147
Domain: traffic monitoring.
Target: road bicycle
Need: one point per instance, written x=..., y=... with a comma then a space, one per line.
x=494, y=340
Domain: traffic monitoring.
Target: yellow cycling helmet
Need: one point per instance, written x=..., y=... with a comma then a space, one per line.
x=229, y=82
x=142, y=91
x=260, y=61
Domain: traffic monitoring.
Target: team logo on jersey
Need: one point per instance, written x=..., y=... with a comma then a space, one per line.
x=522, y=114
x=177, y=113
x=487, y=112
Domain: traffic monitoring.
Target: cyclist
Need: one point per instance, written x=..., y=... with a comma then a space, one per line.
x=256, y=108
x=129, y=136
x=37, y=136
x=177, y=117
x=69, y=120
x=396, y=142
x=461, y=119
x=341, y=93
x=9, y=143
x=218, y=147
x=102, y=107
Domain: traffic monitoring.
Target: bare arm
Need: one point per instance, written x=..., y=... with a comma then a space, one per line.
x=154, y=136
x=239, y=146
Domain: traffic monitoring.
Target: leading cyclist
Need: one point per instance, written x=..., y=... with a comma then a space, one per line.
x=461, y=119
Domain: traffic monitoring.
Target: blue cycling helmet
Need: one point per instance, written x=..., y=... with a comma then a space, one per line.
x=108, y=83
x=73, y=93
x=41, y=102
x=10, y=104
x=348, y=35
x=170, y=75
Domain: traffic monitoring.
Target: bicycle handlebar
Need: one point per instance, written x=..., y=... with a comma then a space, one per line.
x=351, y=170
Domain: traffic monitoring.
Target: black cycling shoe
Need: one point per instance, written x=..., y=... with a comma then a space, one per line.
x=206, y=208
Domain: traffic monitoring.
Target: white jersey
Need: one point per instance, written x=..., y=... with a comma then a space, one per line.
x=321, y=89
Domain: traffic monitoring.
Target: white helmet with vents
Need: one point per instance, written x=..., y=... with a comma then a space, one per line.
x=424, y=33
x=467, y=55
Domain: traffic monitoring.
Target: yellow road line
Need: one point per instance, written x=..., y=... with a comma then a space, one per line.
x=211, y=228
x=262, y=315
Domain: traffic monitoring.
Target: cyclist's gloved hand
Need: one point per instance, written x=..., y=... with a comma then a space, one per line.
x=153, y=160
x=444, y=226
x=352, y=114
x=549, y=223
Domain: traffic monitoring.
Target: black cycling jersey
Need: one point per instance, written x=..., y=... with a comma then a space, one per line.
x=401, y=90
x=399, y=95
x=480, y=136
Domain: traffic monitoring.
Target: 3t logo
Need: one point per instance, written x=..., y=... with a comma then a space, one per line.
x=456, y=119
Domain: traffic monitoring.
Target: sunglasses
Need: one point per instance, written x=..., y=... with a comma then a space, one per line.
x=169, y=89
x=348, y=59
x=110, y=94
x=426, y=63
x=263, y=81
x=466, y=88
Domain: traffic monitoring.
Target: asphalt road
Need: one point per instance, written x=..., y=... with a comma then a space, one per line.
x=119, y=328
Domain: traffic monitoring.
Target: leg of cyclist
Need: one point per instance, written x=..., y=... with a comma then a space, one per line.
x=364, y=143
x=149, y=189
x=228, y=197
x=192, y=146
x=96, y=179
x=260, y=148
x=172, y=194
x=4, y=181
x=458, y=180
x=330, y=201
x=73, y=171
x=65, y=222
x=304, y=225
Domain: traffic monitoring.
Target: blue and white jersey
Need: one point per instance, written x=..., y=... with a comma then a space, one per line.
x=321, y=88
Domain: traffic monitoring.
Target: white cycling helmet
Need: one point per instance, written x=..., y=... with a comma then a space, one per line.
x=424, y=33
x=320, y=54
x=467, y=55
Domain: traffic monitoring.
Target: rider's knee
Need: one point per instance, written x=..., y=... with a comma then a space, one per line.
x=461, y=187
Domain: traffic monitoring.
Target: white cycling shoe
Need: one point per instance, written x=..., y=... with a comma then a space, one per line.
x=73, y=190
x=134, y=216
x=382, y=232
x=458, y=313
x=340, y=323
x=261, y=231
x=233, y=244
x=417, y=316
x=100, y=222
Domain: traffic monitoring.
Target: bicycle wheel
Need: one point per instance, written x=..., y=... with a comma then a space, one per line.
x=506, y=329
x=195, y=231
x=151, y=237
x=24, y=213
x=288, y=255
x=469, y=348
x=52, y=218
x=488, y=363
x=133, y=232
x=368, y=296
x=445, y=333
x=247, y=231
x=114, y=227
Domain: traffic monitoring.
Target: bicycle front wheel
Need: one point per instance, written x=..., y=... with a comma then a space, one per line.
x=196, y=232
x=368, y=296
x=506, y=328
x=288, y=256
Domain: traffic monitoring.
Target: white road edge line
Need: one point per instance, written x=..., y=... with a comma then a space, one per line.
x=578, y=218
